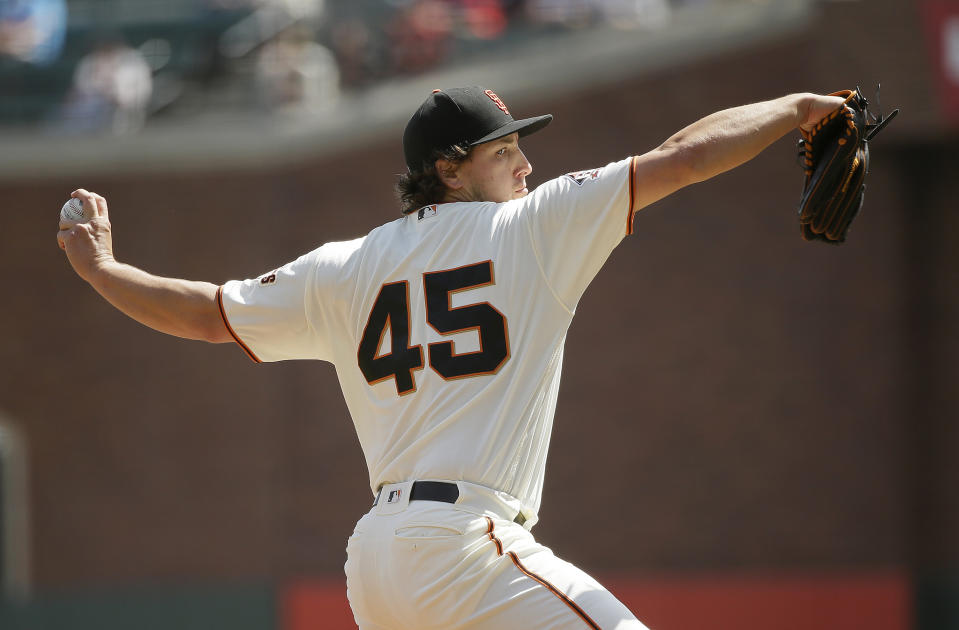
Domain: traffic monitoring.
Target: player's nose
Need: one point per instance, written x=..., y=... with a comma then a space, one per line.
x=524, y=168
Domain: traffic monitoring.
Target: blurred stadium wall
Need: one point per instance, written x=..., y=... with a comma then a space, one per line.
x=753, y=431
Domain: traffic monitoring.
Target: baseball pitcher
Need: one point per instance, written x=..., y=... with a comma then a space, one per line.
x=446, y=327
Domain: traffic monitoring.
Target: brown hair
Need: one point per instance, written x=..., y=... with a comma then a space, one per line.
x=424, y=186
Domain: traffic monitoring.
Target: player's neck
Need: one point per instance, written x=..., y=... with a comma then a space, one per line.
x=460, y=195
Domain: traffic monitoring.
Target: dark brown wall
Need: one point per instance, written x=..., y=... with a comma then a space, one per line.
x=733, y=397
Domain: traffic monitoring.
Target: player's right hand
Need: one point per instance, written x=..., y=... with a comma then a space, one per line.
x=88, y=243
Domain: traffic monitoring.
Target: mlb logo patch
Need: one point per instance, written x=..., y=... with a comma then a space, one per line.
x=425, y=212
x=583, y=176
x=394, y=496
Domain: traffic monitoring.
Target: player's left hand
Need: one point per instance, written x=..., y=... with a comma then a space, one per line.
x=814, y=108
x=88, y=243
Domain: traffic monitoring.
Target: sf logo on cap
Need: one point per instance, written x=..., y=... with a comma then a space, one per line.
x=499, y=102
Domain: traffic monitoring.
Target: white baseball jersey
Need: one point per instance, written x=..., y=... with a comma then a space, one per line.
x=447, y=326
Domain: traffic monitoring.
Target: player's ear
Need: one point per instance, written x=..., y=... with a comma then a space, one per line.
x=448, y=173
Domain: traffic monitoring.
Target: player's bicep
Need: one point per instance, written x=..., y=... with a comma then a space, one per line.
x=659, y=173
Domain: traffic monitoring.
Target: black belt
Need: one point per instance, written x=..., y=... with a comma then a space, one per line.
x=434, y=491
x=442, y=491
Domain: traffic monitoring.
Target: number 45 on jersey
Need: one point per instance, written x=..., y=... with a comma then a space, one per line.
x=391, y=310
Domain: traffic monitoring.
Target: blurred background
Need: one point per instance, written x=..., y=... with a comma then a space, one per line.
x=753, y=431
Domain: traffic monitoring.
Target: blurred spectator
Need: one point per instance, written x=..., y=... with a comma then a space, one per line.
x=32, y=31
x=483, y=19
x=111, y=90
x=360, y=42
x=357, y=51
x=420, y=36
x=295, y=73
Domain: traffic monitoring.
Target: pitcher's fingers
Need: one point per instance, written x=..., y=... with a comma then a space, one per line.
x=101, y=205
x=89, y=202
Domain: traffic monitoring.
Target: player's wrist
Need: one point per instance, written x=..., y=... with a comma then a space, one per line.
x=802, y=103
x=102, y=270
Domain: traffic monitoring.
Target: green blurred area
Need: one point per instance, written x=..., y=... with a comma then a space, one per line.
x=200, y=607
x=937, y=601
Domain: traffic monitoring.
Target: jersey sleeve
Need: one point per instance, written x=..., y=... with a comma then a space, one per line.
x=575, y=223
x=287, y=313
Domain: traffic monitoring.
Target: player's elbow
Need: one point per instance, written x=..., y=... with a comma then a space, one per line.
x=205, y=325
x=210, y=323
x=215, y=331
x=218, y=336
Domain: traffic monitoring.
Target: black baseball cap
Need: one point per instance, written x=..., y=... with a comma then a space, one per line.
x=465, y=115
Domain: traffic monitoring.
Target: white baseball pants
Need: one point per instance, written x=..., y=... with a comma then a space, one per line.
x=426, y=565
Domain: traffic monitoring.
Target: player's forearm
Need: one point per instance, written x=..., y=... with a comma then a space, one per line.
x=183, y=308
x=726, y=139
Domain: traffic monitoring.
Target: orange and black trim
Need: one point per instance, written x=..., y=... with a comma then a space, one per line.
x=555, y=591
x=229, y=329
x=632, y=196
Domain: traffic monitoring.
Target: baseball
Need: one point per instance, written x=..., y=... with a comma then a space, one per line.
x=72, y=210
